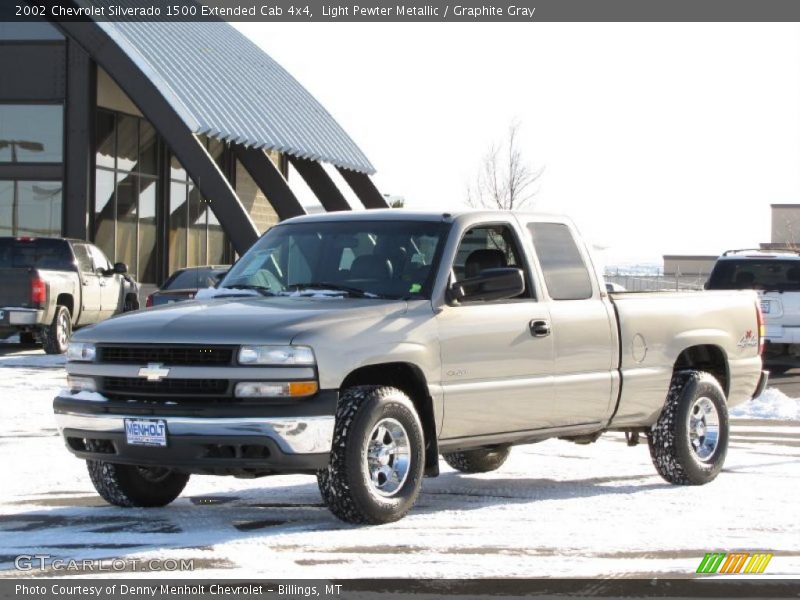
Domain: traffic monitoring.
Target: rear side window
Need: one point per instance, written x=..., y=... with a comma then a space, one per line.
x=565, y=273
x=83, y=258
x=756, y=274
x=38, y=253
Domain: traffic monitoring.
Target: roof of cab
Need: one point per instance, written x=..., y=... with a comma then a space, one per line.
x=394, y=214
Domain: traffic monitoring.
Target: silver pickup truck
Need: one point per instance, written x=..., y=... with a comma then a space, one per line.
x=362, y=346
x=50, y=286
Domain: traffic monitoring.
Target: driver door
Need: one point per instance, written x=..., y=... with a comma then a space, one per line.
x=91, y=289
x=497, y=375
x=109, y=284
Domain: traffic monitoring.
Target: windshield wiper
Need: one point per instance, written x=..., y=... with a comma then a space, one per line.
x=261, y=289
x=335, y=287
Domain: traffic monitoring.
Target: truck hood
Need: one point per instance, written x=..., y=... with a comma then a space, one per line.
x=246, y=320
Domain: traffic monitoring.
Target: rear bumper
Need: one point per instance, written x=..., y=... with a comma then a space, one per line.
x=762, y=384
x=233, y=445
x=17, y=318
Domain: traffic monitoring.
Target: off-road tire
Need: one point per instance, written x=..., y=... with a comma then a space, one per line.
x=55, y=337
x=345, y=485
x=131, y=486
x=481, y=460
x=669, y=438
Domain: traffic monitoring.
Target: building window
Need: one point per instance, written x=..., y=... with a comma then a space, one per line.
x=126, y=192
x=30, y=208
x=195, y=235
x=31, y=133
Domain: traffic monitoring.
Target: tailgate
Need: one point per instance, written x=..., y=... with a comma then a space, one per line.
x=15, y=288
x=781, y=308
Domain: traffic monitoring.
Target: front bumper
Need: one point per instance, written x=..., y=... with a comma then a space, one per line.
x=235, y=445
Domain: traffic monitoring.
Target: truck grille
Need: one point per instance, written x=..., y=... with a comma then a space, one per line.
x=167, y=355
x=132, y=387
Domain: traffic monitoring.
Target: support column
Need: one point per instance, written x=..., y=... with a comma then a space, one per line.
x=364, y=188
x=320, y=183
x=78, y=132
x=270, y=181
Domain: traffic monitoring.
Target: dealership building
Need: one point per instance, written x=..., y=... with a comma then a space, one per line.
x=166, y=144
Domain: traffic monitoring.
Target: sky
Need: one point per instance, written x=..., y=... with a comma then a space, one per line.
x=655, y=138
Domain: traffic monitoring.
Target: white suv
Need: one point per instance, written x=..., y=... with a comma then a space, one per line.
x=775, y=275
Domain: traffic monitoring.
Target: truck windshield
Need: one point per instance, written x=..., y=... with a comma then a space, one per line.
x=38, y=253
x=755, y=274
x=373, y=259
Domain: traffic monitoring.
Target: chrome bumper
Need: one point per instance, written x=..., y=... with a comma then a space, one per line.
x=306, y=435
x=762, y=384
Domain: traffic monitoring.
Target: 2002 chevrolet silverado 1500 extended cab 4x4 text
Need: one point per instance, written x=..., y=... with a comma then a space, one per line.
x=361, y=346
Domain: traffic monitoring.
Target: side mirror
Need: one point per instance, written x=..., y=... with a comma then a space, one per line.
x=218, y=278
x=120, y=268
x=491, y=284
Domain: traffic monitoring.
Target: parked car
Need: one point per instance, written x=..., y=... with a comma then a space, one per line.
x=359, y=346
x=775, y=276
x=614, y=287
x=184, y=284
x=50, y=286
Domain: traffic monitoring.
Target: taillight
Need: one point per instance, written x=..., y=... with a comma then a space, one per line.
x=38, y=290
x=149, y=302
x=762, y=329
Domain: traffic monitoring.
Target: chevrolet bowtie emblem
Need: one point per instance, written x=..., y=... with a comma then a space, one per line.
x=154, y=372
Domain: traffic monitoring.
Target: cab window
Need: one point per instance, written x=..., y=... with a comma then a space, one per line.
x=488, y=247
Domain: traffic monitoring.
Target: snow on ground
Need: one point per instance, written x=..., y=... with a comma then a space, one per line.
x=772, y=404
x=554, y=509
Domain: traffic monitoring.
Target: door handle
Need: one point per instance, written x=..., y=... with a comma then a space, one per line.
x=540, y=328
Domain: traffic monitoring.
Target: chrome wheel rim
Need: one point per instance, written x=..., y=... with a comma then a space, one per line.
x=61, y=333
x=387, y=457
x=703, y=424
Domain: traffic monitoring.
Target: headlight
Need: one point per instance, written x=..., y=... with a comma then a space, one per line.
x=276, y=355
x=81, y=384
x=81, y=352
x=275, y=389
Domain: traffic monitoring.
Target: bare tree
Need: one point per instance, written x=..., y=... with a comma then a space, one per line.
x=505, y=181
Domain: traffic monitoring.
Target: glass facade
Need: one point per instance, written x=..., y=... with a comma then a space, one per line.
x=126, y=189
x=31, y=133
x=129, y=202
x=30, y=208
x=195, y=235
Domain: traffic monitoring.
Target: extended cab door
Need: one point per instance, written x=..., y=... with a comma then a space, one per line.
x=496, y=372
x=583, y=324
x=90, y=285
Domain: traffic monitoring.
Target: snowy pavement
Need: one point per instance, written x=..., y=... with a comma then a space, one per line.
x=555, y=508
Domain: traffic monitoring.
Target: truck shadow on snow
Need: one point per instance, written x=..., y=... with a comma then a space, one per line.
x=79, y=525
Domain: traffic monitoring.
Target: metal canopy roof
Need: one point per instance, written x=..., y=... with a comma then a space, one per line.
x=225, y=87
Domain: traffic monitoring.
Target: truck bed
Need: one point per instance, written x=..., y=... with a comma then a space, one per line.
x=655, y=327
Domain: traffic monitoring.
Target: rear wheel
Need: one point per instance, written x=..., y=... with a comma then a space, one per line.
x=129, y=486
x=689, y=442
x=55, y=337
x=377, y=456
x=481, y=460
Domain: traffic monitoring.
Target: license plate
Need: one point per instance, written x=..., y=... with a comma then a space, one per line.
x=146, y=432
x=765, y=307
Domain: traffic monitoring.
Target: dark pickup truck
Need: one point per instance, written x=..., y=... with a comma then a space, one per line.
x=49, y=286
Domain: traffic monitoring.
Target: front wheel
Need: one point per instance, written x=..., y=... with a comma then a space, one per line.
x=689, y=442
x=129, y=486
x=377, y=456
x=55, y=337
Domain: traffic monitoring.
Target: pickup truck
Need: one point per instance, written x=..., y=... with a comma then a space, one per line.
x=50, y=286
x=362, y=346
